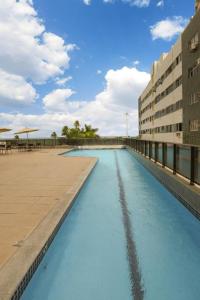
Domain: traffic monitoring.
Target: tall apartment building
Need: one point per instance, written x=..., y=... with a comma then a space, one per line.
x=191, y=80
x=169, y=107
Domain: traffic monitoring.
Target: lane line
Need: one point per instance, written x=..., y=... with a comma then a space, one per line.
x=135, y=276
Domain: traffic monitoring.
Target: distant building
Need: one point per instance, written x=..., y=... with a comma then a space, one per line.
x=169, y=107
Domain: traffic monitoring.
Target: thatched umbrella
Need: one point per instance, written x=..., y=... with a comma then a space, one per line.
x=26, y=131
x=3, y=129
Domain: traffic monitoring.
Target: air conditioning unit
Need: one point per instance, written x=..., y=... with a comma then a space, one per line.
x=193, y=46
x=198, y=61
x=178, y=134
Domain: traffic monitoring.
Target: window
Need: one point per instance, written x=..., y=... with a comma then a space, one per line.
x=194, y=125
x=178, y=82
x=193, y=43
x=179, y=126
x=192, y=71
x=194, y=98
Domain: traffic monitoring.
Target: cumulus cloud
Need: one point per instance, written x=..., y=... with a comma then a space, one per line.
x=29, y=53
x=169, y=28
x=58, y=101
x=15, y=90
x=123, y=87
x=106, y=111
x=28, y=49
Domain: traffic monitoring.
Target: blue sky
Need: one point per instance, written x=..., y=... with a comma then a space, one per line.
x=103, y=52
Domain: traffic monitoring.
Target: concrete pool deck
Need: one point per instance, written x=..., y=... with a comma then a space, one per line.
x=36, y=188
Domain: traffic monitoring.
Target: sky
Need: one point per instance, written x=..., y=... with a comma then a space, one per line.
x=86, y=60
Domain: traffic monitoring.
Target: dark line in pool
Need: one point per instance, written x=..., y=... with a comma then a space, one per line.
x=135, y=276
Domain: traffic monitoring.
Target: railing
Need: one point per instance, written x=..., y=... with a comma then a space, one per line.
x=181, y=159
x=51, y=142
x=95, y=141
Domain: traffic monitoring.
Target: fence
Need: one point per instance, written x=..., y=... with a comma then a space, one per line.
x=51, y=142
x=181, y=159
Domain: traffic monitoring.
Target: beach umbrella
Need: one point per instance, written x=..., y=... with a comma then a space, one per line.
x=26, y=131
x=2, y=129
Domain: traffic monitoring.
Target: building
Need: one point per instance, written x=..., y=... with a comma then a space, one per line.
x=191, y=80
x=197, y=5
x=169, y=107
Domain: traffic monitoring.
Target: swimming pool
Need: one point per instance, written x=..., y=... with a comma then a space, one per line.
x=126, y=237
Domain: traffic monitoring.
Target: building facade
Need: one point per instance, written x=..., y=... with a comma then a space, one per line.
x=191, y=81
x=160, y=105
x=169, y=107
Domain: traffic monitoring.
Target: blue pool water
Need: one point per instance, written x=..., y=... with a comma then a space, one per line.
x=121, y=209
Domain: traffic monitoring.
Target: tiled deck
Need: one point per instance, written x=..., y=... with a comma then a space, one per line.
x=32, y=186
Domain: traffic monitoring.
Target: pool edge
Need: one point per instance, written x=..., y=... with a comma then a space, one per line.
x=187, y=195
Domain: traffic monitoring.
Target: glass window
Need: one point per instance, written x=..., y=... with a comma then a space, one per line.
x=169, y=156
x=194, y=125
x=183, y=157
x=197, y=166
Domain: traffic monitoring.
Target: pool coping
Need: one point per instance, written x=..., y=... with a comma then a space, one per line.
x=17, y=273
x=186, y=194
x=96, y=147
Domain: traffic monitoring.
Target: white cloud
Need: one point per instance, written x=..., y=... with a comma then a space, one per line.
x=138, y=3
x=160, y=3
x=29, y=54
x=62, y=81
x=106, y=111
x=56, y=101
x=169, y=28
x=99, y=72
x=123, y=87
x=87, y=2
x=28, y=49
x=108, y=1
x=46, y=122
x=136, y=62
x=15, y=90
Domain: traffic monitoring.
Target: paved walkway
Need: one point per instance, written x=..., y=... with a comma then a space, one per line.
x=31, y=184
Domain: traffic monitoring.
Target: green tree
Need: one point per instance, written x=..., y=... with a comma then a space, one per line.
x=77, y=132
x=90, y=132
x=66, y=131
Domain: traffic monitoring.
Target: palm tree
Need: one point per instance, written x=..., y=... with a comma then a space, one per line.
x=66, y=131
x=77, y=125
x=77, y=132
x=90, y=132
x=54, y=135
